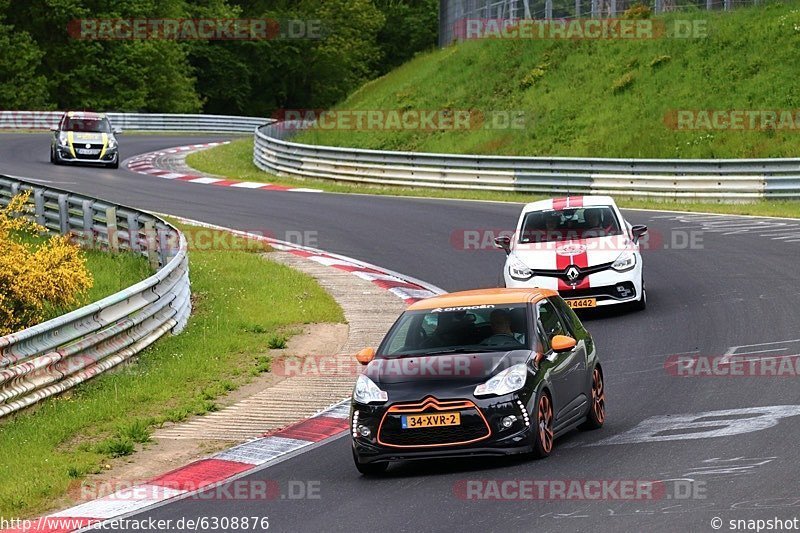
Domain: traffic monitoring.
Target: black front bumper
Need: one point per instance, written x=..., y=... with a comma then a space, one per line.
x=388, y=445
x=65, y=156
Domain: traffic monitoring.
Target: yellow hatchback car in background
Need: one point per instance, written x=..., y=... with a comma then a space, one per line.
x=83, y=137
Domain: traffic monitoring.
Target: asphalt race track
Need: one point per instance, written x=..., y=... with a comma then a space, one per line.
x=738, y=286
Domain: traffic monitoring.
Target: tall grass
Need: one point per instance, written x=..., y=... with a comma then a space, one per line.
x=600, y=97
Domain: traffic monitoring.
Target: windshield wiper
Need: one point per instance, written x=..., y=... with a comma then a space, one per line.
x=457, y=350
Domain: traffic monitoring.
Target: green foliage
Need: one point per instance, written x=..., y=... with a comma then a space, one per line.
x=411, y=26
x=623, y=82
x=50, y=69
x=659, y=60
x=115, y=447
x=599, y=97
x=637, y=11
x=277, y=342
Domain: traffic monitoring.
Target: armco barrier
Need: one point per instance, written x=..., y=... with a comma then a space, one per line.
x=687, y=179
x=53, y=356
x=43, y=120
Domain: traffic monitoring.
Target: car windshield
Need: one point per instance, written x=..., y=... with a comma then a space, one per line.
x=89, y=125
x=569, y=224
x=471, y=329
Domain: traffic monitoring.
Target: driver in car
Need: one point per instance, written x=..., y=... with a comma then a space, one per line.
x=500, y=320
x=594, y=223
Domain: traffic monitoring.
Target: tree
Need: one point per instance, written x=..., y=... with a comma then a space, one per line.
x=21, y=86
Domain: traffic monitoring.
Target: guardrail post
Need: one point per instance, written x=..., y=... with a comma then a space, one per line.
x=111, y=225
x=133, y=232
x=63, y=214
x=88, y=224
x=152, y=246
x=38, y=205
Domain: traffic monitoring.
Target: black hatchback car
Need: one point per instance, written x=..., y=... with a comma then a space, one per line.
x=482, y=372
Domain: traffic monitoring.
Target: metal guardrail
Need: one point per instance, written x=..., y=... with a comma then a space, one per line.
x=56, y=355
x=687, y=179
x=43, y=120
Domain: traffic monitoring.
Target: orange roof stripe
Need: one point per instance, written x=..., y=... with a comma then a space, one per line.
x=483, y=297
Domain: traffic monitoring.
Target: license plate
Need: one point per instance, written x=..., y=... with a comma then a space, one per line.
x=431, y=420
x=87, y=151
x=582, y=303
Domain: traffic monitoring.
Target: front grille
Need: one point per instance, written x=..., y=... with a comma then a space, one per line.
x=473, y=426
x=582, y=273
x=82, y=146
x=605, y=292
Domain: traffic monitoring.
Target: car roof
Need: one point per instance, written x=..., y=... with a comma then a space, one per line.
x=567, y=202
x=482, y=297
x=85, y=114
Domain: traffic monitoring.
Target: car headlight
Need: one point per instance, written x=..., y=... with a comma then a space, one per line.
x=518, y=270
x=62, y=138
x=625, y=262
x=366, y=391
x=509, y=380
x=112, y=144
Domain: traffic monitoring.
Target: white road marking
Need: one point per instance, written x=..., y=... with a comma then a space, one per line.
x=703, y=425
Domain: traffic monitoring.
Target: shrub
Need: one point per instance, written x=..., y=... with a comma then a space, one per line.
x=660, y=60
x=623, y=82
x=637, y=12
x=533, y=76
x=277, y=342
x=35, y=274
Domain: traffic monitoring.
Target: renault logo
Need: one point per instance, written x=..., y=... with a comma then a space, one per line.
x=573, y=273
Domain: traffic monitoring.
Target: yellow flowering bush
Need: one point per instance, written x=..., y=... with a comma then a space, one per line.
x=34, y=275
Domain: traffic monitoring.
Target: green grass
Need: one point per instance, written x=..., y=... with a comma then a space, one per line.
x=594, y=98
x=234, y=160
x=240, y=302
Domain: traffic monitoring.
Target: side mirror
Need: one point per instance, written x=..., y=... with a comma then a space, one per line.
x=503, y=242
x=115, y=131
x=637, y=231
x=562, y=343
x=365, y=356
x=53, y=128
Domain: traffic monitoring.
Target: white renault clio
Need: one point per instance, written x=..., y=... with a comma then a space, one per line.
x=580, y=246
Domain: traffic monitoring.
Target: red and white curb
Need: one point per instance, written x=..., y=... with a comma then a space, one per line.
x=223, y=467
x=149, y=164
